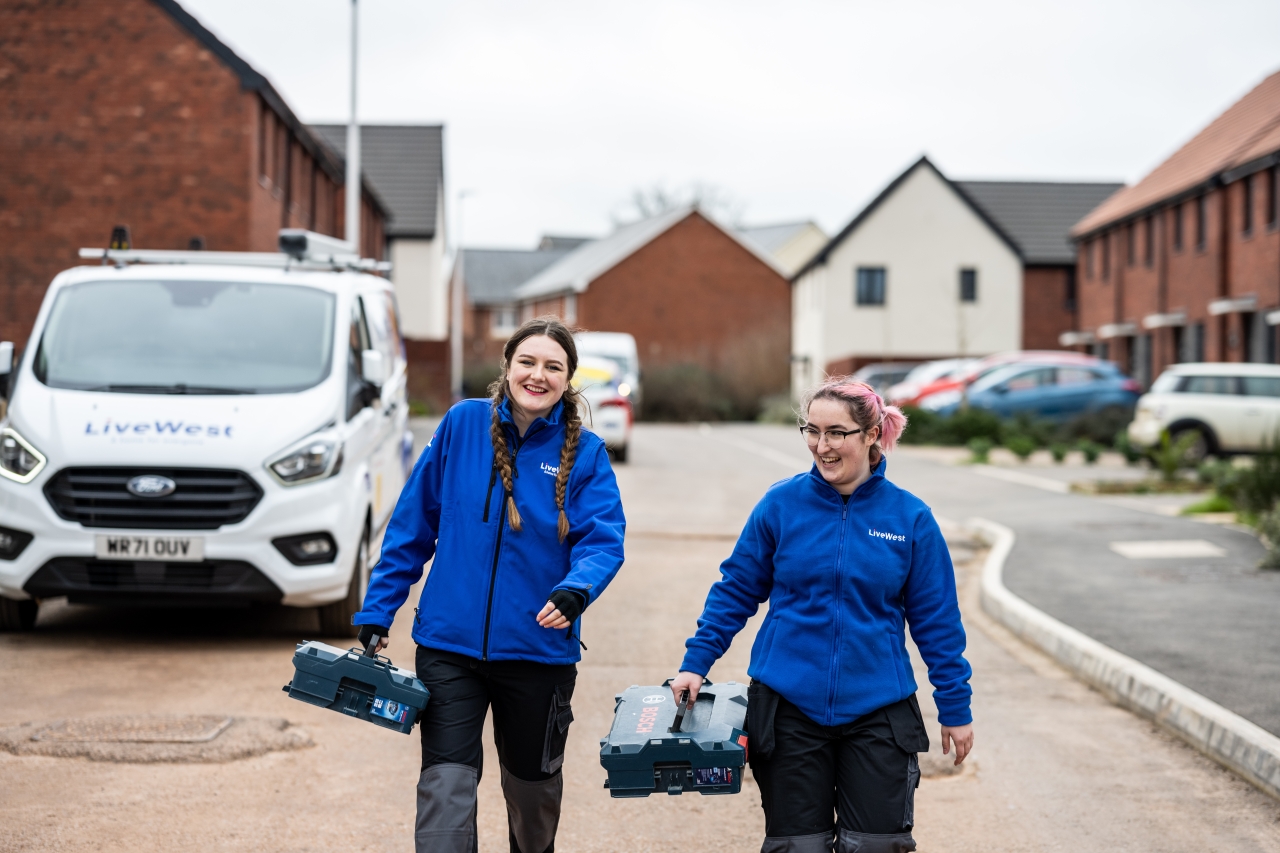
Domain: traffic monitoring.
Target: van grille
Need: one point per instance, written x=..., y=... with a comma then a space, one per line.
x=205, y=499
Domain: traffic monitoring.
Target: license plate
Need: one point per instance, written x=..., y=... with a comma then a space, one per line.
x=185, y=549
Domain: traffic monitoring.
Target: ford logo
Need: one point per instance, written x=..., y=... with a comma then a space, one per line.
x=151, y=486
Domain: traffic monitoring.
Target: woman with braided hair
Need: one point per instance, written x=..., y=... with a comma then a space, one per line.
x=518, y=505
x=846, y=560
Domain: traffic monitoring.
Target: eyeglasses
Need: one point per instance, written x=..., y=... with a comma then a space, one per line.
x=835, y=437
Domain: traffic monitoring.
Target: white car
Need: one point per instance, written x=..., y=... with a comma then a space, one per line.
x=609, y=413
x=202, y=433
x=619, y=348
x=1234, y=408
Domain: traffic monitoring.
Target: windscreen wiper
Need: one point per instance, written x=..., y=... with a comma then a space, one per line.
x=179, y=388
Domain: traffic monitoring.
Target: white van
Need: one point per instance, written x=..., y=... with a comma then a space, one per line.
x=203, y=428
x=620, y=348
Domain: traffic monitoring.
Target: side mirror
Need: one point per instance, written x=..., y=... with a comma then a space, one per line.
x=1001, y=389
x=374, y=368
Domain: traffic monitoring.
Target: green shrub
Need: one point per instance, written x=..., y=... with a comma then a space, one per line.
x=1130, y=451
x=1059, y=451
x=689, y=392
x=1099, y=427
x=1213, y=503
x=1171, y=456
x=980, y=447
x=1022, y=446
x=1256, y=487
x=1269, y=527
x=1091, y=450
x=778, y=409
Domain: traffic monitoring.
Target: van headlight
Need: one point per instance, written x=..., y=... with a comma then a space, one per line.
x=19, y=461
x=314, y=458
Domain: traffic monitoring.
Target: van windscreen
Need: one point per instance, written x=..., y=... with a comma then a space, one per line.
x=187, y=337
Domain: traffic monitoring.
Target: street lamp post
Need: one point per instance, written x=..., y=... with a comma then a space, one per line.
x=353, y=147
x=455, y=308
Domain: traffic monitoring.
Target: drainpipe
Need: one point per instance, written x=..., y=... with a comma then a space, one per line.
x=353, y=147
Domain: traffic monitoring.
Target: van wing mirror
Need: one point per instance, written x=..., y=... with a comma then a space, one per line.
x=6, y=368
x=374, y=368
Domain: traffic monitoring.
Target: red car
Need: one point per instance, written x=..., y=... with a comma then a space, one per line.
x=994, y=362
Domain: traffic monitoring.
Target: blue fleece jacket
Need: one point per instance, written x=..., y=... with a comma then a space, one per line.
x=488, y=582
x=842, y=581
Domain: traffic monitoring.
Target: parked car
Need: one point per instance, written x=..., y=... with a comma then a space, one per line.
x=980, y=368
x=921, y=375
x=195, y=428
x=1048, y=392
x=620, y=348
x=1232, y=408
x=885, y=374
x=609, y=413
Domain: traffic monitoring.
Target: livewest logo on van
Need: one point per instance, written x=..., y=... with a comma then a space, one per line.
x=170, y=429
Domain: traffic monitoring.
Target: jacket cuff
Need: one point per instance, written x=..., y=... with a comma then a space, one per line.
x=959, y=715
x=696, y=661
x=380, y=620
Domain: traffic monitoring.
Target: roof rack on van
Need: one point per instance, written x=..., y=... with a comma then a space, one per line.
x=299, y=249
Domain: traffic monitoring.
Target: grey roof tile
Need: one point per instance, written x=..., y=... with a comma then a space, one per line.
x=1038, y=215
x=405, y=165
x=772, y=237
x=492, y=275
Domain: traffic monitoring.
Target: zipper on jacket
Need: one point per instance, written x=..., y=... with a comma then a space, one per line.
x=493, y=478
x=497, y=549
x=833, y=675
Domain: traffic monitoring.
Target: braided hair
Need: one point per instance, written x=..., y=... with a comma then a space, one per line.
x=552, y=328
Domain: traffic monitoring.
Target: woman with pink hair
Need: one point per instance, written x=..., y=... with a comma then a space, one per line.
x=846, y=560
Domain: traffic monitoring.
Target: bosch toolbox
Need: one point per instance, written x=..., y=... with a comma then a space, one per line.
x=364, y=686
x=655, y=746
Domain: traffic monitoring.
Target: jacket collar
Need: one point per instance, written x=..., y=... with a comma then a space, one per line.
x=552, y=420
x=829, y=491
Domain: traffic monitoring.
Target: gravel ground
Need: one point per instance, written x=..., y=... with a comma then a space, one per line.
x=1055, y=767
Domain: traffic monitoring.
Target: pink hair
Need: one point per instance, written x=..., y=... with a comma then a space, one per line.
x=867, y=408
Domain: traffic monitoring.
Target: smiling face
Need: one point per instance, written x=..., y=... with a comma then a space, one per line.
x=536, y=379
x=849, y=465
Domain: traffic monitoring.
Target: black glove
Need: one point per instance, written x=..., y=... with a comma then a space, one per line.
x=368, y=632
x=569, y=603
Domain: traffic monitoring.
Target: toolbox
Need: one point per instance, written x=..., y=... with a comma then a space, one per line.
x=656, y=746
x=359, y=684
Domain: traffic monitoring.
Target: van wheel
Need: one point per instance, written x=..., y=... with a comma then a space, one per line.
x=18, y=615
x=620, y=453
x=335, y=618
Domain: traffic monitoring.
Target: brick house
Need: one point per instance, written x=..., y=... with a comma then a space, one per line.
x=938, y=268
x=133, y=113
x=1185, y=264
x=405, y=165
x=701, y=302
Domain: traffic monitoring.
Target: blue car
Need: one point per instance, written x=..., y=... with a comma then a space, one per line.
x=1045, y=392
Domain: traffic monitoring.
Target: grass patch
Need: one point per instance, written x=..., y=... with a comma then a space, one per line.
x=1139, y=487
x=1213, y=503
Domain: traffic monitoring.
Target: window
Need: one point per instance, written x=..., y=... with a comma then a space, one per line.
x=1106, y=256
x=502, y=321
x=869, y=286
x=1076, y=376
x=1031, y=379
x=1209, y=385
x=1149, y=244
x=1261, y=386
x=1088, y=259
x=1246, y=205
x=358, y=397
x=571, y=308
x=1069, y=290
x=1131, y=243
x=1177, y=228
x=1273, y=205
x=968, y=285
x=1202, y=221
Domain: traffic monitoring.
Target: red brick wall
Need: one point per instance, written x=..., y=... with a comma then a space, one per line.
x=696, y=296
x=1045, y=310
x=114, y=114
x=1231, y=263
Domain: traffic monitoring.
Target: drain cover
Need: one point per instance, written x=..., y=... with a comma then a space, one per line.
x=200, y=729
x=147, y=739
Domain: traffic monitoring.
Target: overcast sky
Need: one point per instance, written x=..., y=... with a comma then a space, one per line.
x=556, y=112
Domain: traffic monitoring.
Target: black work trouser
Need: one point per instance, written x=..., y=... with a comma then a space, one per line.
x=863, y=774
x=531, y=716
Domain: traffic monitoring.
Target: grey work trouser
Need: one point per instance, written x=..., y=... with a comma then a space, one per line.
x=531, y=716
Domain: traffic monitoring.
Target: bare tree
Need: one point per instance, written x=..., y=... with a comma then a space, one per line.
x=658, y=199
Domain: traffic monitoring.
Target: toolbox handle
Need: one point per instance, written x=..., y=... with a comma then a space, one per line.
x=682, y=708
x=371, y=650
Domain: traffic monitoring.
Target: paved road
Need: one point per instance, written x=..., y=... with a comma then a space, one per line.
x=1056, y=767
